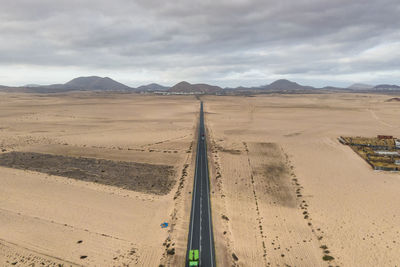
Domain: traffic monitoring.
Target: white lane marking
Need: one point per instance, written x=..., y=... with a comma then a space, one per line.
x=209, y=209
x=194, y=195
x=201, y=200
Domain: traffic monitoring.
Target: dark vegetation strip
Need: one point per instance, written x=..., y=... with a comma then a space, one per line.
x=259, y=217
x=141, y=177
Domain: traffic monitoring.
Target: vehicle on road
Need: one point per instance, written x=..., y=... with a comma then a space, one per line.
x=202, y=137
x=194, y=257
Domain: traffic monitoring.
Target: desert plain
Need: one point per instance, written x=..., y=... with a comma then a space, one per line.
x=287, y=193
x=284, y=191
x=87, y=179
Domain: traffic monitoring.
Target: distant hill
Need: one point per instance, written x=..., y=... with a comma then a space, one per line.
x=91, y=83
x=360, y=86
x=32, y=85
x=94, y=83
x=152, y=87
x=387, y=87
x=279, y=85
x=332, y=88
x=371, y=88
x=394, y=99
x=285, y=85
x=185, y=87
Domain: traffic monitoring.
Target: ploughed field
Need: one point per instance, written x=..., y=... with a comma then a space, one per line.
x=87, y=178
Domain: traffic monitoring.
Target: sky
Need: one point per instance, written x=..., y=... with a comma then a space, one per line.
x=222, y=42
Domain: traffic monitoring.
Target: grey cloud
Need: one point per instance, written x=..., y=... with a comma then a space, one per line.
x=194, y=38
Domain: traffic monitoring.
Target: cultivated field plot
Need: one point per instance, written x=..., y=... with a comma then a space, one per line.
x=286, y=192
x=381, y=152
x=87, y=178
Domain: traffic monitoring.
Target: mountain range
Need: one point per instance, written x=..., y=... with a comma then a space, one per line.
x=286, y=85
x=387, y=87
x=95, y=83
x=360, y=86
x=185, y=87
x=90, y=83
x=152, y=87
x=278, y=85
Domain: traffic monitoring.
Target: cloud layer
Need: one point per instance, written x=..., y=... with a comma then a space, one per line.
x=224, y=42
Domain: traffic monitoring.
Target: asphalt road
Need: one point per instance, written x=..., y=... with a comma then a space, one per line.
x=200, y=228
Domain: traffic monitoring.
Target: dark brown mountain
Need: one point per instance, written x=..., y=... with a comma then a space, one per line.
x=285, y=85
x=279, y=85
x=92, y=83
x=95, y=83
x=185, y=87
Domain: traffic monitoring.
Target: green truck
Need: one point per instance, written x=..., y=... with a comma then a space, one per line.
x=194, y=257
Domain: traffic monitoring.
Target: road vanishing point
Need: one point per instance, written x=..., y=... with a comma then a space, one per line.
x=200, y=228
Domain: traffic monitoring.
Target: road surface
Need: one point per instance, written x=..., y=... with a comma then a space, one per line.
x=200, y=228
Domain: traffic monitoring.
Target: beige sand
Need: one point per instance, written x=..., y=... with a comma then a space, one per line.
x=56, y=220
x=282, y=186
x=327, y=196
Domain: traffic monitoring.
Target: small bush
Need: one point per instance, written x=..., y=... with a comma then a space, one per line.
x=327, y=258
x=235, y=258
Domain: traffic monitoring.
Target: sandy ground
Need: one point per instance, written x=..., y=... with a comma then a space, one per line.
x=52, y=220
x=287, y=193
x=284, y=191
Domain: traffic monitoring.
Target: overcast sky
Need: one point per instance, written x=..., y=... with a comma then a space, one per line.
x=222, y=42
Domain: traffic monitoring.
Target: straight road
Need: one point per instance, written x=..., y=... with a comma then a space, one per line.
x=200, y=229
